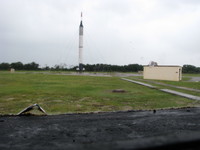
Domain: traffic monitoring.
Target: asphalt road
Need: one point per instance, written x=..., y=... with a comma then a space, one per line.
x=195, y=79
x=161, y=129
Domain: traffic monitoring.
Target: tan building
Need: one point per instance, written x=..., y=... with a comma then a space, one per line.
x=171, y=73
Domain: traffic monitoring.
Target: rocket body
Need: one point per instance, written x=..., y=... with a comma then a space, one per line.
x=81, y=46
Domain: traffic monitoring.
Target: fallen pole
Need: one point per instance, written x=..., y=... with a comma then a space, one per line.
x=29, y=108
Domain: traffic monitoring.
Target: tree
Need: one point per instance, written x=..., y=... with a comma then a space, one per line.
x=198, y=69
x=4, y=66
x=31, y=66
x=189, y=69
x=17, y=66
x=109, y=68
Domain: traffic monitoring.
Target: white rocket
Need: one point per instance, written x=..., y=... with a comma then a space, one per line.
x=81, y=45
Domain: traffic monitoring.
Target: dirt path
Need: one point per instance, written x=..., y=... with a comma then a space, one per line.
x=173, y=128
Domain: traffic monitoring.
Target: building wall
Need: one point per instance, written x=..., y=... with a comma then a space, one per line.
x=171, y=73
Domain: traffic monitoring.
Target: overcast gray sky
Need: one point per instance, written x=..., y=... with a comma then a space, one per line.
x=115, y=31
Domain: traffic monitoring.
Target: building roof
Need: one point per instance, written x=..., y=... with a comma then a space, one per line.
x=161, y=66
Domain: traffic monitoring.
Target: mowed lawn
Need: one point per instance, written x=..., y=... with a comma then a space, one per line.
x=59, y=94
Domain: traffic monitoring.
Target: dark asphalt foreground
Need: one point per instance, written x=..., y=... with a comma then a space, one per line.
x=163, y=129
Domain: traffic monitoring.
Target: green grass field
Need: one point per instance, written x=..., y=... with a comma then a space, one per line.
x=59, y=94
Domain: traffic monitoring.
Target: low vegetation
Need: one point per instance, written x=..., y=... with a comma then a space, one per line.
x=59, y=94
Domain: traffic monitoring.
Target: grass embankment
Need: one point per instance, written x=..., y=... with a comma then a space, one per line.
x=59, y=94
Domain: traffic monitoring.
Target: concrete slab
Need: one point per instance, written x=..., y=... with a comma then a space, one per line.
x=169, y=85
x=195, y=79
x=140, y=83
x=189, y=96
x=181, y=94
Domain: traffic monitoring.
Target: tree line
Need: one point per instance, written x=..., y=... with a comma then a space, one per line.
x=19, y=66
x=88, y=67
x=190, y=69
x=110, y=68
